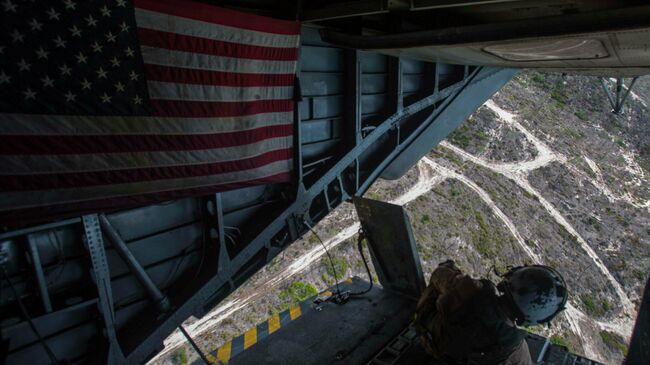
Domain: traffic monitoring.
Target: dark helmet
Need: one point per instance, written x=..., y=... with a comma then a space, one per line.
x=537, y=293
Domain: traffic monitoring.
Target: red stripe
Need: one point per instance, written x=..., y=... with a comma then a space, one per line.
x=205, y=77
x=111, y=177
x=22, y=217
x=214, y=14
x=61, y=145
x=185, y=43
x=206, y=109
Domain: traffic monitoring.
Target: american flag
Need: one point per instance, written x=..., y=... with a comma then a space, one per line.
x=110, y=104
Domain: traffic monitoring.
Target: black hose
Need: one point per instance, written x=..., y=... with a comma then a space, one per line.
x=360, y=239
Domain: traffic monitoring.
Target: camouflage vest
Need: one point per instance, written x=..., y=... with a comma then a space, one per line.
x=476, y=333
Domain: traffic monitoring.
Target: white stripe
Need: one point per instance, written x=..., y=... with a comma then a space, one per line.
x=198, y=61
x=174, y=24
x=41, y=164
x=176, y=91
x=42, y=124
x=30, y=199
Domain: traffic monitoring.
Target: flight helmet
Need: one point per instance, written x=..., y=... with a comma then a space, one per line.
x=536, y=293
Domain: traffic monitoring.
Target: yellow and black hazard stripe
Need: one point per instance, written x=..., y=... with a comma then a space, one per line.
x=230, y=349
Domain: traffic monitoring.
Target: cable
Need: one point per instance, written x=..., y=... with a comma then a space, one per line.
x=50, y=354
x=360, y=238
x=336, y=279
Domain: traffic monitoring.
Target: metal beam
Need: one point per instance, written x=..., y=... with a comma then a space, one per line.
x=95, y=245
x=352, y=101
x=219, y=285
x=38, y=271
x=617, y=101
x=161, y=301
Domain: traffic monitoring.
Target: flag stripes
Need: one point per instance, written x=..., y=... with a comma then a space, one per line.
x=217, y=114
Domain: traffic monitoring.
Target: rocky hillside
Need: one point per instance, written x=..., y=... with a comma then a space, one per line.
x=542, y=173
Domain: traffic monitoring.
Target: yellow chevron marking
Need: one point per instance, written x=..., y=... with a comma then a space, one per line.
x=223, y=354
x=294, y=312
x=274, y=323
x=348, y=280
x=250, y=337
x=211, y=358
x=326, y=294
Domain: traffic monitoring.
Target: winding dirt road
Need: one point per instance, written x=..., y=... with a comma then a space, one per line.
x=431, y=174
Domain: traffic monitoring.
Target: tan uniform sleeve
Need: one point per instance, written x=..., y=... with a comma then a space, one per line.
x=453, y=288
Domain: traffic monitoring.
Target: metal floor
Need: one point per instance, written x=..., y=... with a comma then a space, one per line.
x=371, y=329
x=351, y=333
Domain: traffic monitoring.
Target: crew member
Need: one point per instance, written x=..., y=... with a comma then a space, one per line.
x=467, y=321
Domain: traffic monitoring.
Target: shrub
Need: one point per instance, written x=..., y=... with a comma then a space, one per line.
x=560, y=340
x=295, y=293
x=339, y=267
x=179, y=357
x=614, y=341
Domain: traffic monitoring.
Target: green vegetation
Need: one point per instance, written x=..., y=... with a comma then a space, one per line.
x=296, y=293
x=560, y=340
x=619, y=142
x=592, y=306
x=373, y=195
x=463, y=136
x=582, y=115
x=179, y=357
x=539, y=78
x=530, y=196
x=338, y=267
x=481, y=238
x=558, y=93
x=614, y=341
x=425, y=219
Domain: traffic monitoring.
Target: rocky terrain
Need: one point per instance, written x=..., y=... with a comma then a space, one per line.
x=542, y=173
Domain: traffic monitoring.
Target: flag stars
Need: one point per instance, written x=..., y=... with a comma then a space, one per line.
x=110, y=37
x=105, y=98
x=96, y=47
x=52, y=14
x=4, y=78
x=47, y=81
x=86, y=85
x=124, y=27
x=59, y=42
x=105, y=12
x=65, y=70
x=137, y=100
x=101, y=74
x=9, y=6
x=41, y=53
x=23, y=65
x=133, y=76
x=70, y=97
x=29, y=94
x=129, y=52
x=81, y=58
x=76, y=32
x=90, y=21
x=69, y=4
x=16, y=36
x=119, y=87
x=35, y=25
x=121, y=3
x=115, y=62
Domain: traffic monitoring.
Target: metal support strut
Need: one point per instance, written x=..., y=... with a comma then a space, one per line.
x=194, y=345
x=162, y=302
x=618, y=101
